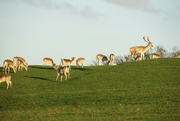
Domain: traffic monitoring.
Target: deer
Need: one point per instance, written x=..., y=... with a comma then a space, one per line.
x=7, y=65
x=62, y=71
x=138, y=58
x=48, y=61
x=16, y=59
x=101, y=58
x=141, y=49
x=179, y=55
x=67, y=62
x=21, y=66
x=155, y=55
x=80, y=61
x=6, y=78
x=111, y=59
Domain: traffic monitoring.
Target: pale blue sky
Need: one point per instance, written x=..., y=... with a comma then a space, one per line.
x=34, y=29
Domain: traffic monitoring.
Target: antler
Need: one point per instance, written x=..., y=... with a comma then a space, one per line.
x=147, y=39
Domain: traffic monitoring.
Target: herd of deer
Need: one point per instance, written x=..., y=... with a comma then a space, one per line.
x=19, y=63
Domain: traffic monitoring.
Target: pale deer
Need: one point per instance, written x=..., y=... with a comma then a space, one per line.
x=6, y=78
x=48, y=61
x=67, y=62
x=138, y=58
x=101, y=58
x=156, y=56
x=111, y=59
x=141, y=49
x=62, y=71
x=80, y=61
x=21, y=66
x=16, y=59
x=7, y=65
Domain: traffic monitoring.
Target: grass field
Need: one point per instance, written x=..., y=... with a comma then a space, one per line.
x=144, y=90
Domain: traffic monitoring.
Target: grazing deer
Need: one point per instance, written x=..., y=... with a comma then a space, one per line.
x=111, y=59
x=80, y=61
x=49, y=61
x=62, y=71
x=7, y=65
x=138, y=58
x=156, y=56
x=6, y=78
x=67, y=62
x=101, y=58
x=21, y=66
x=16, y=59
x=141, y=49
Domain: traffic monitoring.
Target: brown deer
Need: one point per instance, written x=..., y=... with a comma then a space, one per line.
x=67, y=62
x=21, y=66
x=6, y=78
x=138, y=58
x=48, y=61
x=141, y=49
x=101, y=58
x=156, y=55
x=179, y=55
x=17, y=59
x=62, y=71
x=111, y=59
x=7, y=65
x=80, y=61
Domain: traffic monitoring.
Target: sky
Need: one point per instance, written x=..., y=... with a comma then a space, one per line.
x=35, y=29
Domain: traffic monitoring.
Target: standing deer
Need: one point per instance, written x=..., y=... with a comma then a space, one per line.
x=156, y=56
x=101, y=58
x=49, y=61
x=67, y=62
x=6, y=78
x=7, y=65
x=62, y=71
x=111, y=59
x=80, y=61
x=141, y=49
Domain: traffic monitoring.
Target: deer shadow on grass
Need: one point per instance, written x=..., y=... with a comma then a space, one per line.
x=81, y=69
x=42, y=67
x=38, y=78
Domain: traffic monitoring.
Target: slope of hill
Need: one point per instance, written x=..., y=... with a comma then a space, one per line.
x=143, y=90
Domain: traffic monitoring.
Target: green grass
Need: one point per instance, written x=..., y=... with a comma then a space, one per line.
x=143, y=90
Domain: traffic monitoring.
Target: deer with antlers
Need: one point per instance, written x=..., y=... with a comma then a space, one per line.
x=7, y=65
x=101, y=58
x=67, y=62
x=48, y=61
x=80, y=61
x=141, y=49
x=6, y=78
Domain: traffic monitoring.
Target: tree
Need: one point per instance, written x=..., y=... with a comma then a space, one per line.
x=174, y=53
x=161, y=51
x=118, y=60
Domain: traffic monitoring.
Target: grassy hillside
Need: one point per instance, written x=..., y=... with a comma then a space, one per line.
x=143, y=90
